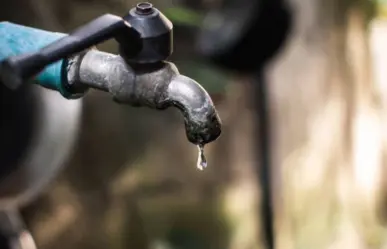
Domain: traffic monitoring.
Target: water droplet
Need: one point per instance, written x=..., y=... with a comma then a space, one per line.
x=202, y=161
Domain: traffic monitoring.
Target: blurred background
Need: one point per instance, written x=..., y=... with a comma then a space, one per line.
x=132, y=181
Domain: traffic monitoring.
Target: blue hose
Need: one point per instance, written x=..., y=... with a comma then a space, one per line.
x=17, y=39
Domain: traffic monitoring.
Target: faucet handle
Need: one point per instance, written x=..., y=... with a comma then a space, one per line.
x=16, y=69
x=144, y=36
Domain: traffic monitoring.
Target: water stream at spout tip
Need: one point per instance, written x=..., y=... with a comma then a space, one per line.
x=202, y=161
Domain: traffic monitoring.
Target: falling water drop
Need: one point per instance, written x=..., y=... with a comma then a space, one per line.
x=202, y=161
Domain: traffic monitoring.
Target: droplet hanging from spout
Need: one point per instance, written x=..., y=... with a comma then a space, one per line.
x=202, y=161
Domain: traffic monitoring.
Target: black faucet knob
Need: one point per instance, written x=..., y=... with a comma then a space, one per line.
x=156, y=35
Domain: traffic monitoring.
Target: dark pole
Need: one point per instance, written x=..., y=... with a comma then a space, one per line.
x=261, y=99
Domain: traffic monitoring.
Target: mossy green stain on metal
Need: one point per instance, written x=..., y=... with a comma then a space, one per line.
x=17, y=39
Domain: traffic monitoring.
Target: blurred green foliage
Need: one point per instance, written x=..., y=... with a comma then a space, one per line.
x=382, y=9
x=183, y=16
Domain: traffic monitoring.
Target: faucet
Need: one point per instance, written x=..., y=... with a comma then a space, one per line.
x=138, y=76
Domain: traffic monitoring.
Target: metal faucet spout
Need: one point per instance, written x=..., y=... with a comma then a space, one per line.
x=157, y=86
x=202, y=122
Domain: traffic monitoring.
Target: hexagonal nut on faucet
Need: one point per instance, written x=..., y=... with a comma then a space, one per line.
x=156, y=35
